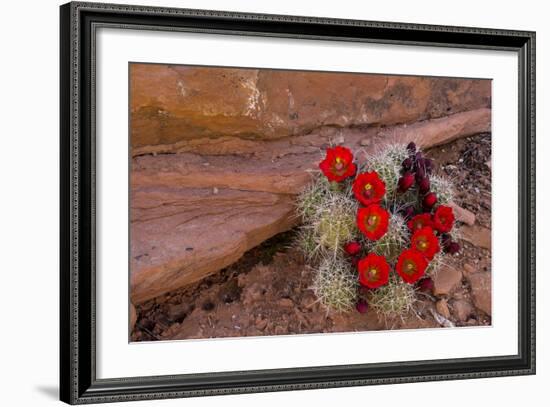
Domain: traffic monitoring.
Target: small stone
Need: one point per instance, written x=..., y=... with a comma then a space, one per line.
x=446, y=280
x=365, y=142
x=215, y=191
x=480, y=284
x=462, y=310
x=176, y=312
x=261, y=324
x=133, y=317
x=477, y=235
x=463, y=215
x=286, y=302
x=442, y=307
x=468, y=269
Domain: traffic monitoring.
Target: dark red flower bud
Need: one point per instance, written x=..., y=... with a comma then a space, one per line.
x=355, y=261
x=453, y=248
x=411, y=148
x=352, y=248
x=362, y=306
x=428, y=164
x=445, y=240
x=407, y=212
x=423, y=184
x=418, y=157
x=405, y=182
x=363, y=290
x=426, y=284
x=407, y=164
x=429, y=200
x=420, y=173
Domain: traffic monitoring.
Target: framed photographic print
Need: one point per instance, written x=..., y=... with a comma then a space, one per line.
x=256, y=203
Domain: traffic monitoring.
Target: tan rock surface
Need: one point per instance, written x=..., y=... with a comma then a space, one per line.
x=477, y=235
x=171, y=104
x=480, y=284
x=446, y=280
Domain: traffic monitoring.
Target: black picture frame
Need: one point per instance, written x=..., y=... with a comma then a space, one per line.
x=78, y=382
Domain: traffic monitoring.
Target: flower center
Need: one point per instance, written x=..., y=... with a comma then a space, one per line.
x=409, y=267
x=373, y=273
x=372, y=220
x=368, y=186
x=422, y=244
x=339, y=163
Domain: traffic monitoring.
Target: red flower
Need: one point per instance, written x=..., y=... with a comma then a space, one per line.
x=420, y=221
x=369, y=188
x=411, y=265
x=425, y=241
x=374, y=271
x=405, y=182
x=373, y=221
x=352, y=248
x=338, y=164
x=429, y=200
x=443, y=219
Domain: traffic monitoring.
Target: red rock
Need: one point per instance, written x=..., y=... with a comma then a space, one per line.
x=463, y=215
x=446, y=280
x=462, y=310
x=477, y=235
x=171, y=103
x=442, y=307
x=480, y=284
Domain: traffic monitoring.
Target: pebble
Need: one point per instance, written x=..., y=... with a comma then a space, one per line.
x=442, y=307
x=286, y=302
x=365, y=142
x=446, y=280
x=462, y=310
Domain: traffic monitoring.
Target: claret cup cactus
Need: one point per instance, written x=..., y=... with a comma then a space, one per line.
x=375, y=232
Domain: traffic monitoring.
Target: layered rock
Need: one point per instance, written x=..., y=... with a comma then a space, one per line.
x=171, y=104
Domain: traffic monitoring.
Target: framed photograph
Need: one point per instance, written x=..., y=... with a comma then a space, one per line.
x=254, y=203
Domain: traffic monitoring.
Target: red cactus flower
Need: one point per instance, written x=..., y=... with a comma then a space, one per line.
x=420, y=221
x=429, y=200
x=426, y=242
x=338, y=164
x=373, y=221
x=374, y=271
x=352, y=248
x=443, y=219
x=411, y=265
x=405, y=182
x=369, y=188
x=362, y=306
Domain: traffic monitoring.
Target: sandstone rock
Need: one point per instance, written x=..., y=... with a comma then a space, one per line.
x=173, y=103
x=463, y=215
x=446, y=280
x=442, y=307
x=480, y=284
x=477, y=235
x=462, y=310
